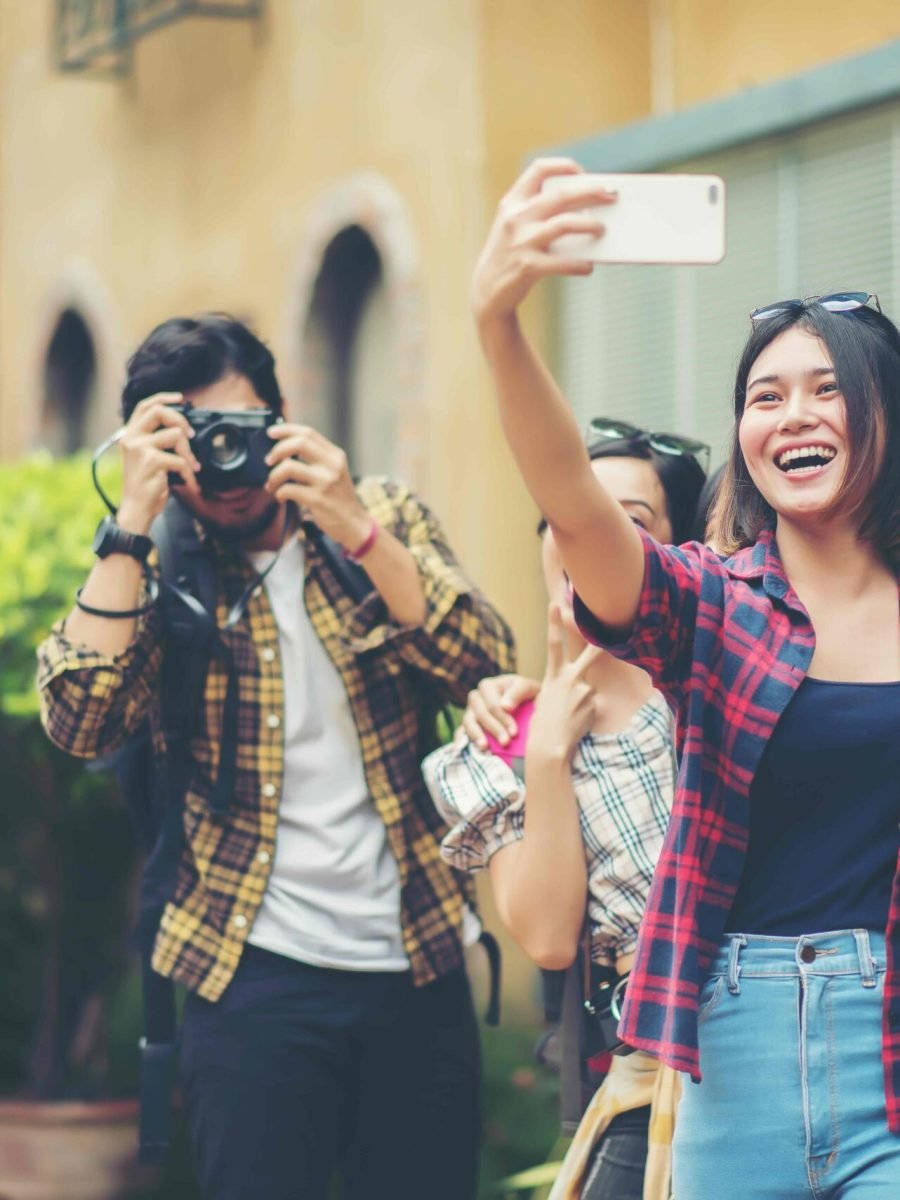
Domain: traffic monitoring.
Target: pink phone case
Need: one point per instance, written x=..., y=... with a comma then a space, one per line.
x=516, y=746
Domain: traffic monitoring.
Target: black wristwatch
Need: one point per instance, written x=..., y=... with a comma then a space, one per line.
x=110, y=539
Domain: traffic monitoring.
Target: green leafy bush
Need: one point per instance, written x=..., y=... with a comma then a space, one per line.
x=66, y=857
x=50, y=511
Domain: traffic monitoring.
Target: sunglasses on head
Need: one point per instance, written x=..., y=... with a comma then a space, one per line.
x=835, y=302
x=602, y=431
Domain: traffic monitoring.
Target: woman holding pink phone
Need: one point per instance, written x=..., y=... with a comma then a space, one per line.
x=566, y=808
x=767, y=963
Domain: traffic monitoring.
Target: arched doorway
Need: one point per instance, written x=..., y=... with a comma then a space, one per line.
x=69, y=384
x=347, y=348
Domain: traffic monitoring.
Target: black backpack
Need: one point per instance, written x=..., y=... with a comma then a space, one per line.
x=155, y=791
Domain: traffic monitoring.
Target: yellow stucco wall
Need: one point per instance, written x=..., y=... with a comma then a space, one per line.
x=723, y=46
x=191, y=184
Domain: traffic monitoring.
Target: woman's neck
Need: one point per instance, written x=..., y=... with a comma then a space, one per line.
x=833, y=554
x=621, y=691
x=850, y=595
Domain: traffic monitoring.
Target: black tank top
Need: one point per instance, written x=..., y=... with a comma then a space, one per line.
x=824, y=813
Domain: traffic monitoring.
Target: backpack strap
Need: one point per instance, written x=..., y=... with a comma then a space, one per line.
x=188, y=597
x=572, y=1052
x=492, y=950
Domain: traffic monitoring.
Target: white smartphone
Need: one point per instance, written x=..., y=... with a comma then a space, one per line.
x=677, y=219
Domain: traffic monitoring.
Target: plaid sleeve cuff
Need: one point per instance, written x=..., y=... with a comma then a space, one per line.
x=480, y=797
x=58, y=654
x=659, y=640
x=91, y=702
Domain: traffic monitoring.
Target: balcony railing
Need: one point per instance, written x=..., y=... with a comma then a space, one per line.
x=98, y=35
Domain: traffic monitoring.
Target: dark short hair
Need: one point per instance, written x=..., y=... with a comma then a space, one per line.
x=680, y=475
x=864, y=346
x=193, y=352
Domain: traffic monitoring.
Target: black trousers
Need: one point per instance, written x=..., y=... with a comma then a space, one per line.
x=616, y=1169
x=300, y=1074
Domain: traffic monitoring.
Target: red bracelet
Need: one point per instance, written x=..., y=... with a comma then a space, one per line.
x=362, y=550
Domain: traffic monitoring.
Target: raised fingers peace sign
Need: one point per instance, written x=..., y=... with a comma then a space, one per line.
x=566, y=707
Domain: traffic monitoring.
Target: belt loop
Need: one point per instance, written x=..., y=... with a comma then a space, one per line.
x=866, y=962
x=738, y=942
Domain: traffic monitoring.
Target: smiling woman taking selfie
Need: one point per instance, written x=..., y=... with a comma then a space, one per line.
x=767, y=964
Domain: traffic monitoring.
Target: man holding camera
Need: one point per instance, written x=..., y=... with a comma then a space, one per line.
x=328, y=1022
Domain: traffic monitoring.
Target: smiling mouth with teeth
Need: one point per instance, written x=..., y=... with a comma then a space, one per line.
x=805, y=458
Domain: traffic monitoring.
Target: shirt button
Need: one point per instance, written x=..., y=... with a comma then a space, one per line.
x=268, y=654
x=263, y=857
x=808, y=954
x=239, y=921
x=268, y=789
x=273, y=720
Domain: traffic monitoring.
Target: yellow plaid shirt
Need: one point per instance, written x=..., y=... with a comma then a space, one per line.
x=91, y=703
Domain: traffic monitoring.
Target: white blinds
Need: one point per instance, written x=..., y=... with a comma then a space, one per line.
x=813, y=211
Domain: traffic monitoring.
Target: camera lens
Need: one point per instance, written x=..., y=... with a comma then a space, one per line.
x=227, y=447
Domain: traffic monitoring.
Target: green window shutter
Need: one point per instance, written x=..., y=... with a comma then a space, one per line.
x=809, y=212
x=845, y=202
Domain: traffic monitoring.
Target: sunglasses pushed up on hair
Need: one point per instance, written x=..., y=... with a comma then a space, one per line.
x=602, y=431
x=839, y=302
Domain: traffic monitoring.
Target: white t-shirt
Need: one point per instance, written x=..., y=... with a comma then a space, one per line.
x=333, y=897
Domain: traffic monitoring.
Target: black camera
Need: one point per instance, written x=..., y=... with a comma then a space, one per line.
x=230, y=447
x=602, y=1013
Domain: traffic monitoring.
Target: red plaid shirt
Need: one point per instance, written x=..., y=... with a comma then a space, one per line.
x=728, y=643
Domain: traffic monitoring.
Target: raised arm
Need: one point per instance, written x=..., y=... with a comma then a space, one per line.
x=460, y=637
x=540, y=883
x=98, y=674
x=155, y=444
x=591, y=529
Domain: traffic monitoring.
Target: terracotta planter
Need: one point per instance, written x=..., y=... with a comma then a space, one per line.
x=70, y=1151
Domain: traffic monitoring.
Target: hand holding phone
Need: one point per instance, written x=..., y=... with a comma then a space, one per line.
x=663, y=219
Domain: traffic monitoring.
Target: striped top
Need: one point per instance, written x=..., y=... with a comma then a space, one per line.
x=623, y=785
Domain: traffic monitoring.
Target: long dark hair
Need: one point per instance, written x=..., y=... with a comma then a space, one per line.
x=864, y=346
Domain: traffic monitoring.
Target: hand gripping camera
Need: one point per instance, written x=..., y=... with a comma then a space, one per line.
x=230, y=447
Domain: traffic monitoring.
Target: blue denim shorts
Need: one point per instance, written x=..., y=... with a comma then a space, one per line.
x=791, y=1105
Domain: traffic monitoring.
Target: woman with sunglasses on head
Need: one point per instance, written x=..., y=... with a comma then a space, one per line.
x=565, y=801
x=767, y=965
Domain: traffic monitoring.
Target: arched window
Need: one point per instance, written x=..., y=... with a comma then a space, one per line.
x=70, y=373
x=347, y=350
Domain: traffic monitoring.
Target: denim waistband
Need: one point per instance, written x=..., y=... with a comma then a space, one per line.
x=840, y=952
